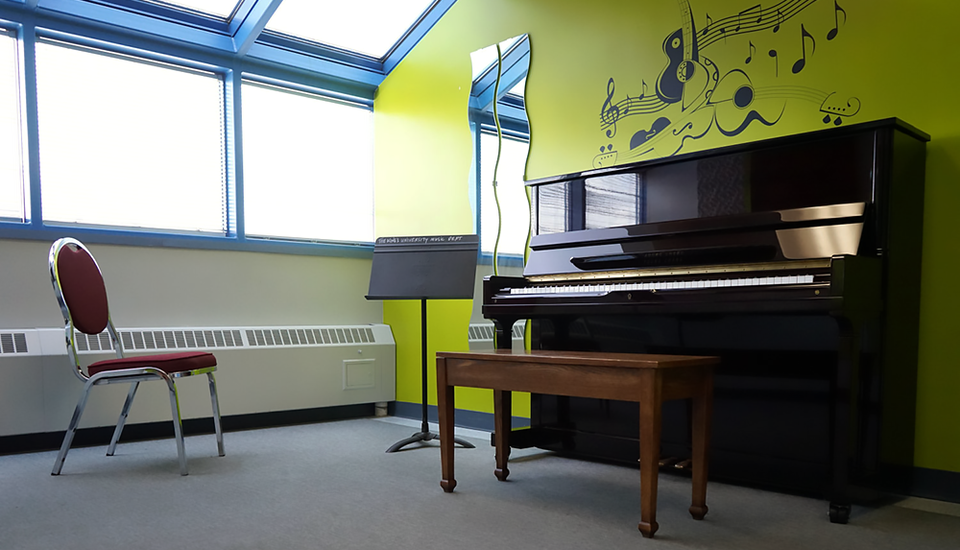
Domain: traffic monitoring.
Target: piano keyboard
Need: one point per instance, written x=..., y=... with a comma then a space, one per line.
x=664, y=285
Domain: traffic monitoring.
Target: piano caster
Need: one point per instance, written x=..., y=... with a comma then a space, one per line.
x=839, y=513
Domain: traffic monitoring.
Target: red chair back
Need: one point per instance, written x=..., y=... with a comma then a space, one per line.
x=83, y=290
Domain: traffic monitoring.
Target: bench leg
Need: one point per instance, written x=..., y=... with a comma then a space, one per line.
x=502, y=411
x=650, y=405
x=702, y=405
x=445, y=410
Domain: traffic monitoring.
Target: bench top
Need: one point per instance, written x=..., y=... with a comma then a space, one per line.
x=584, y=358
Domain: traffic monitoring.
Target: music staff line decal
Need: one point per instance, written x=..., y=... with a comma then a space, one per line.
x=693, y=97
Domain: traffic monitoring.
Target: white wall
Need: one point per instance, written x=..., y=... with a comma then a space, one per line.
x=165, y=287
x=158, y=287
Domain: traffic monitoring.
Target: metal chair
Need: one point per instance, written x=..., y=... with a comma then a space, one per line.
x=80, y=290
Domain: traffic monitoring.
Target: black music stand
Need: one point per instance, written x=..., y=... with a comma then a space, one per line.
x=439, y=267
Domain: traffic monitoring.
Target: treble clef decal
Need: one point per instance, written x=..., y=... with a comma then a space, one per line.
x=610, y=112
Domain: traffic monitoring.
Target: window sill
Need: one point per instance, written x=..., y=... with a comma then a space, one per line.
x=19, y=231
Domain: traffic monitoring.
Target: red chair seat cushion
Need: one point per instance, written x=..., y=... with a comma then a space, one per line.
x=167, y=362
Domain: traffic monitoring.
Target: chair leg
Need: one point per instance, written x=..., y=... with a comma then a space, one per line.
x=123, y=418
x=71, y=430
x=215, y=402
x=177, y=426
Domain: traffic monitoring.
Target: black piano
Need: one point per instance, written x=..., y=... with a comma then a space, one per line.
x=796, y=260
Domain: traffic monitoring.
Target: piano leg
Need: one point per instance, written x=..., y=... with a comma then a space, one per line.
x=503, y=332
x=844, y=415
x=502, y=411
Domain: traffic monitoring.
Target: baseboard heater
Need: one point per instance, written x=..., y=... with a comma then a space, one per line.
x=261, y=369
x=480, y=336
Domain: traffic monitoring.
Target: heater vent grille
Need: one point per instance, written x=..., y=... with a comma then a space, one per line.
x=484, y=332
x=13, y=342
x=221, y=338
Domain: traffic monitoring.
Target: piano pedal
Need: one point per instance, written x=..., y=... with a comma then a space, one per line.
x=667, y=461
x=683, y=464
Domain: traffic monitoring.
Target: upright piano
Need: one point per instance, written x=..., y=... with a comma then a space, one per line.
x=795, y=259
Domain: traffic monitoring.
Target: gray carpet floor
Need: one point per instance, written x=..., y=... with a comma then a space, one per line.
x=331, y=485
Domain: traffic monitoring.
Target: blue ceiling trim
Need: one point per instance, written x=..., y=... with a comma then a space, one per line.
x=137, y=22
x=253, y=23
x=334, y=69
x=129, y=50
x=356, y=99
x=183, y=16
x=315, y=49
x=240, y=13
x=415, y=34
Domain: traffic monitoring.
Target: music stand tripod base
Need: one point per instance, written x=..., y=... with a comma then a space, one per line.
x=425, y=435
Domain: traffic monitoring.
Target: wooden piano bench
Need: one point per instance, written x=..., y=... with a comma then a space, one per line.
x=647, y=379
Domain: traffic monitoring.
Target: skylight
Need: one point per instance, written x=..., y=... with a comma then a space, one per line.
x=367, y=27
x=217, y=8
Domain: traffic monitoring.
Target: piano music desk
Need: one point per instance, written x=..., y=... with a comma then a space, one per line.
x=647, y=379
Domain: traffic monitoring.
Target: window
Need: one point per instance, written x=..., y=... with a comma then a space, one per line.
x=307, y=166
x=511, y=193
x=11, y=167
x=129, y=142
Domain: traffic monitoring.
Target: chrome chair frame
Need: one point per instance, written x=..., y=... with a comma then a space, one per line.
x=133, y=376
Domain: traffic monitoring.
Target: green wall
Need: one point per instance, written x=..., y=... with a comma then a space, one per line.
x=890, y=59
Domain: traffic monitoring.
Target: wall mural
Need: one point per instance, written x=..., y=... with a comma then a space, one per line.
x=693, y=97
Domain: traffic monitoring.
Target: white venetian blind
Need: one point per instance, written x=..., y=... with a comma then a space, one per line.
x=612, y=201
x=128, y=142
x=307, y=166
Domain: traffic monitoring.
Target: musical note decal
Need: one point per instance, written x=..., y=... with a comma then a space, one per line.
x=802, y=62
x=748, y=14
x=837, y=10
x=695, y=98
x=832, y=107
x=612, y=112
